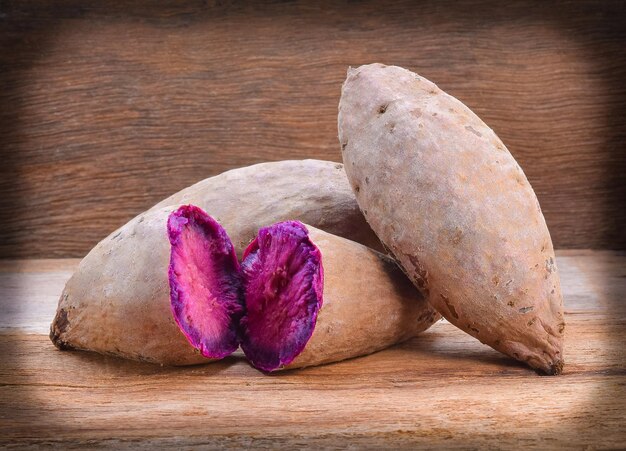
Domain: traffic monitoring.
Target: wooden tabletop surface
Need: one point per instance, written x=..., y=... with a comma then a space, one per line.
x=440, y=390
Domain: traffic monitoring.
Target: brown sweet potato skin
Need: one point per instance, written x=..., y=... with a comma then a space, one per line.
x=117, y=302
x=444, y=194
x=368, y=303
x=313, y=191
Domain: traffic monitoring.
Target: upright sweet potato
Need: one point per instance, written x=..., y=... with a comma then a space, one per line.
x=444, y=194
x=313, y=298
x=117, y=302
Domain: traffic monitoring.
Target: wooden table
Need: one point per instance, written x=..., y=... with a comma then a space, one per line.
x=442, y=389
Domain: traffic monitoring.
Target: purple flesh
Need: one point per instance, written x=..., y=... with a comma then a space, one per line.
x=205, y=285
x=283, y=279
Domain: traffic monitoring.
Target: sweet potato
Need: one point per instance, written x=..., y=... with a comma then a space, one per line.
x=205, y=282
x=313, y=191
x=444, y=194
x=313, y=298
x=117, y=302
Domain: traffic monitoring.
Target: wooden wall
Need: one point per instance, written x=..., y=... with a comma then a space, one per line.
x=107, y=107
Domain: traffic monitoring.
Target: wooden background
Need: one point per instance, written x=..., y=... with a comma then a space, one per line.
x=105, y=108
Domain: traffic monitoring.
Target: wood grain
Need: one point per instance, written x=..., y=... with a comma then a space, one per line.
x=441, y=390
x=107, y=109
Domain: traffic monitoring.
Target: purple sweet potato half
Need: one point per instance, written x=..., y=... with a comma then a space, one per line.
x=283, y=285
x=205, y=282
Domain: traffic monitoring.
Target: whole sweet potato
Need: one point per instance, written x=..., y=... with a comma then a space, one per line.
x=245, y=199
x=313, y=298
x=117, y=302
x=444, y=194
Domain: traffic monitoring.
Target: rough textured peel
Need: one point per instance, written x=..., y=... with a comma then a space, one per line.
x=447, y=198
x=313, y=191
x=313, y=298
x=117, y=302
x=205, y=287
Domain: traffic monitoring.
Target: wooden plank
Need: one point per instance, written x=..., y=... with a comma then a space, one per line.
x=30, y=292
x=106, y=110
x=442, y=389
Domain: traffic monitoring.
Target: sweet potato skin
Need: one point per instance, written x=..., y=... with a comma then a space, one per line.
x=313, y=191
x=117, y=302
x=368, y=304
x=447, y=198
